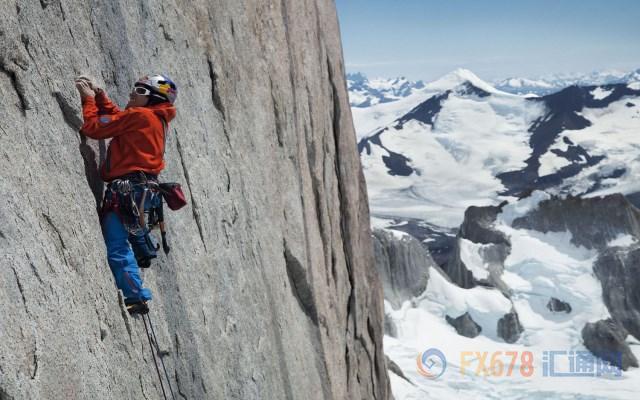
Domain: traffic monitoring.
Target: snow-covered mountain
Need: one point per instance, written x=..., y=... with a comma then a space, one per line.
x=547, y=85
x=530, y=277
x=365, y=93
x=459, y=142
x=499, y=228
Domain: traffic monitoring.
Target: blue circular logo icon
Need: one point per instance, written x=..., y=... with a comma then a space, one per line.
x=432, y=363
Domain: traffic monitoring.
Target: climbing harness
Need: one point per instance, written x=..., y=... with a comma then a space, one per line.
x=153, y=344
x=120, y=197
x=136, y=199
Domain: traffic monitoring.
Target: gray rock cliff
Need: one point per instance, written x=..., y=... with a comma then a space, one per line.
x=403, y=265
x=465, y=325
x=608, y=217
x=477, y=227
x=606, y=339
x=270, y=289
x=618, y=270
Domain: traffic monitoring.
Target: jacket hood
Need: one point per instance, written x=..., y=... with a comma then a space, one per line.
x=166, y=111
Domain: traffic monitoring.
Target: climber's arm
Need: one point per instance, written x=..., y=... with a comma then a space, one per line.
x=107, y=126
x=105, y=105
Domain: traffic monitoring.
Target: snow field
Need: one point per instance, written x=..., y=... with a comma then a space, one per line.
x=539, y=267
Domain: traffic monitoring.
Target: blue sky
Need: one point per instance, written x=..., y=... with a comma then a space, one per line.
x=424, y=39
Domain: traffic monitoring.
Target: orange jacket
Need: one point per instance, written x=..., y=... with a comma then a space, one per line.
x=137, y=132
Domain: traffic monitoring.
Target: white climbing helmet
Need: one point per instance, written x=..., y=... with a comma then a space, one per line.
x=160, y=85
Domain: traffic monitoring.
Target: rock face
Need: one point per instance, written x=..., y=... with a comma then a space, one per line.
x=606, y=339
x=465, y=325
x=393, y=367
x=618, y=270
x=269, y=290
x=439, y=241
x=477, y=227
x=558, y=306
x=509, y=327
x=608, y=217
x=403, y=265
x=390, y=327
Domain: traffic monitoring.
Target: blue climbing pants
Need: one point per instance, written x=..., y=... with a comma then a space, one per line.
x=121, y=256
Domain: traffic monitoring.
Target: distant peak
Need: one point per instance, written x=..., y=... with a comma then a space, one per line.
x=458, y=77
x=357, y=76
x=463, y=73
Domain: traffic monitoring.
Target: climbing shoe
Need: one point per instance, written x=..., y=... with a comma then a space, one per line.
x=140, y=307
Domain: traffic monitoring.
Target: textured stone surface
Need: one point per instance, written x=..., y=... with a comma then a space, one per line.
x=403, y=265
x=509, y=327
x=390, y=327
x=439, y=241
x=393, y=367
x=556, y=305
x=269, y=291
x=477, y=227
x=606, y=339
x=618, y=270
x=465, y=325
x=593, y=222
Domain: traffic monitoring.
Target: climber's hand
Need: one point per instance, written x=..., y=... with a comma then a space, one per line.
x=91, y=83
x=84, y=89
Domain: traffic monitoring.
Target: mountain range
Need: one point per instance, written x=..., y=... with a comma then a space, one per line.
x=365, y=92
x=553, y=83
x=459, y=141
x=506, y=223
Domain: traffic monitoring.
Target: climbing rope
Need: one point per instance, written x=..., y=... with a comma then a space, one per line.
x=154, y=343
x=155, y=339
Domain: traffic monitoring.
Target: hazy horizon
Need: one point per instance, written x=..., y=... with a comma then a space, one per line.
x=497, y=39
x=352, y=70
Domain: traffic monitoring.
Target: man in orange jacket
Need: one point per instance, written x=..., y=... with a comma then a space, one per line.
x=134, y=160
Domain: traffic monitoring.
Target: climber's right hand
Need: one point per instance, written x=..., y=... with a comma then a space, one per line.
x=84, y=88
x=91, y=83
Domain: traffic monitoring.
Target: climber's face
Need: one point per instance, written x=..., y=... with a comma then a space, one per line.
x=139, y=97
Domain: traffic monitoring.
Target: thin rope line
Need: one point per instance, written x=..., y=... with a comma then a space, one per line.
x=155, y=339
x=155, y=362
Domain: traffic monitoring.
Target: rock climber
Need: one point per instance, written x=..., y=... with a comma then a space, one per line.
x=133, y=161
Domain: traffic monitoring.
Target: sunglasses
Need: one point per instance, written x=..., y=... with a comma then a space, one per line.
x=141, y=90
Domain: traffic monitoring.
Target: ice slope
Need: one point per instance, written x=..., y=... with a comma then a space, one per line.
x=614, y=135
x=539, y=267
x=454, y=159
x=459, y=142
